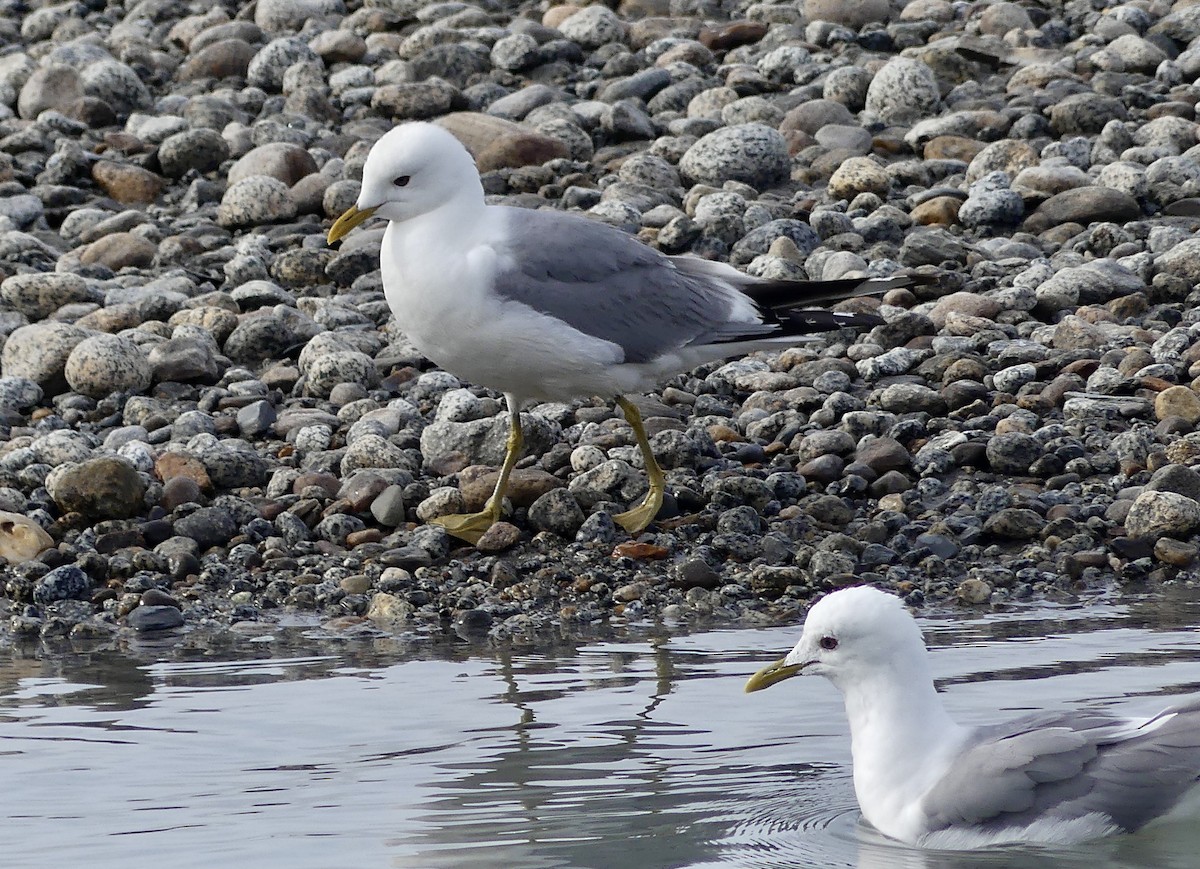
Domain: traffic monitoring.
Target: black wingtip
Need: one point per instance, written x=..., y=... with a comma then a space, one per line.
x=800, y=322
x=791, y=294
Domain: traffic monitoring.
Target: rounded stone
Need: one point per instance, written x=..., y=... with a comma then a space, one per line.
x=904, y=90
x=62, y=583
x=100, y=488
x=592, y=26
x=201, y=150
x=753, y=154
x=347, y=366
x=256, y=200
x=118, y=251
x=1013, y=453
x=859, y=175
x=281, y=16
x=283, y=161
x=272, y=61
x=39, y=295
x=1157, y=514
x=39, y=352
x=116, y=84
x=57, y=87
x=104, y=364
x=1180, y=401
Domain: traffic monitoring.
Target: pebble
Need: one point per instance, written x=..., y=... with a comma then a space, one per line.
x=186, y=364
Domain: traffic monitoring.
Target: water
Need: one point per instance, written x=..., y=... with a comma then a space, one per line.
x=292, y=750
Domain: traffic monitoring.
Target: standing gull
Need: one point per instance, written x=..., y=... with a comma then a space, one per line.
x=925, y=780
x=549, y=305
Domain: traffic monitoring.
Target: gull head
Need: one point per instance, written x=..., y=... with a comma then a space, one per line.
x=849, y=636
x=412, y=170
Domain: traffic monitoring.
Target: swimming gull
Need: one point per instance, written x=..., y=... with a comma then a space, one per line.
x=549, y=305
x=925, y=780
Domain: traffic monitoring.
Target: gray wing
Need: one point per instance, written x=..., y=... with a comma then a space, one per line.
x=606, y=283
x=1067, y=766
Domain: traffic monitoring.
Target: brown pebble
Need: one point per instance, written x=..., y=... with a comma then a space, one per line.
x=501, y=536
x=367, y=535
x=1175, y=552
x=157, y=597
x=952, y=148
x=633, y=549
x=941, y=211
x=129, y=185
x=731, y=35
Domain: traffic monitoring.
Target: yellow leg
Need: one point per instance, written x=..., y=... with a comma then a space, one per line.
x=635, y=520
x=471, y=526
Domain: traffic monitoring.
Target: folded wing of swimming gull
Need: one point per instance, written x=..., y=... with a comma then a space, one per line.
x=545, y=304
x=922, y=778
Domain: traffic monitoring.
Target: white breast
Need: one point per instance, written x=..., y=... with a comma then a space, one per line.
x=440, y=291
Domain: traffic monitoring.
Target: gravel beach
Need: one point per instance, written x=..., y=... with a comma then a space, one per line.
x=209, y=417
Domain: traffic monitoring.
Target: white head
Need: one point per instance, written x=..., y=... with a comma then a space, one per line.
x=848, y=637
x=410, y=171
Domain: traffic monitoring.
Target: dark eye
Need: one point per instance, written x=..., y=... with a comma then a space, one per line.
x=402, y=181
x=828, y=643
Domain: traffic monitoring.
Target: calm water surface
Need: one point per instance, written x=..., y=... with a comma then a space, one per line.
x=289, y=749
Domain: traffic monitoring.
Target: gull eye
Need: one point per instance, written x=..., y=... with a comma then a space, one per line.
x=828, y=643
x=402, y=181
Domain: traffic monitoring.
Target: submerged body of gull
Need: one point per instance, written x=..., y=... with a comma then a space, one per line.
x=549, y=305
x=924, y=779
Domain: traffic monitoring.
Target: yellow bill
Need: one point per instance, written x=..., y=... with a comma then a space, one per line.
x=350, y=219
x=772, y=673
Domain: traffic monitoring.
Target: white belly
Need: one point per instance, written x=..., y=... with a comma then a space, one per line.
x=447, y=309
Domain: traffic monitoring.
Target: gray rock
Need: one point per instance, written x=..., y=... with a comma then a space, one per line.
x=1013, y=452
x=1179, y=479
x=482, y=441
x=208, y=526
x=416, y=100
x=104, y=364
x=256, y=419
x=19, y=393
x=267, y=68
x=282, y=16
x=256, y=200
x=751, y=153
x=1085, y=114
x=847, y=85
x=100, y=488
x=389, y=508
x=154, y=618
x=514, y=52
x=54, y=86
x=63, y=583
x=1084, y=205
x=39, y=353
x=1014, y=523
x=593, y=26
x=348, y=366
x=22, y=209
x=597, y=528
x=184, y=359
x=904, y=90
x=39, y=295
x=557, y=511
x=1159, y=514
x=116, y=84
x=852, y=15
x=199, y=150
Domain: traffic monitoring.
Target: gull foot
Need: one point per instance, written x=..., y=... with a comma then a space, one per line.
x=466, y=526
x=635, y=521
